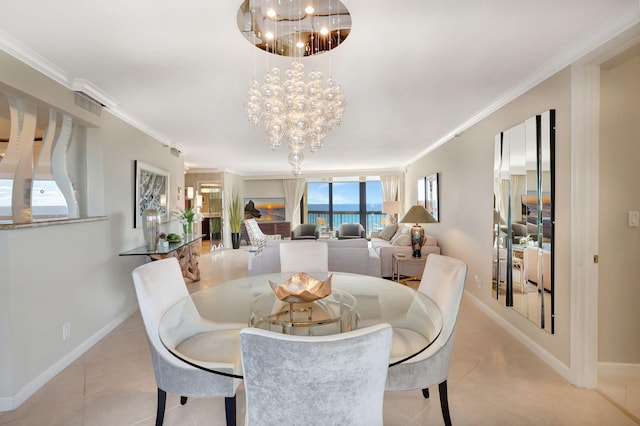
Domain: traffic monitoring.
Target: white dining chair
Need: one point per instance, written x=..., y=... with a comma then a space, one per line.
x=315, y=380
x=443, y=282
x=159, y=285
x=304, y=256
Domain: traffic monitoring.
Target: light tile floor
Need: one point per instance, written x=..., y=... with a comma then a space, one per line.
x=494, y=380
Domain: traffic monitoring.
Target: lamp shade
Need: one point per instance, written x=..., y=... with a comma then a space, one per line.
x=391, y=207
x=418, y=214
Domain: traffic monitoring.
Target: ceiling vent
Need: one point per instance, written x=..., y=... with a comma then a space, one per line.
x=85, y=101
x=175, y=152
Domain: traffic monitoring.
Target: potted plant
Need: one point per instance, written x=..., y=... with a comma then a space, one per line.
x=214, y=227
x=235, y=218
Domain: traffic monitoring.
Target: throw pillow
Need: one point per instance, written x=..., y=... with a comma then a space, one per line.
x=401, y=231
x=402, y=240
x=388, y=232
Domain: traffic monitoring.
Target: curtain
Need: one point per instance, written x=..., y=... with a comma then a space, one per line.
x=293, y=192
x=389, y=187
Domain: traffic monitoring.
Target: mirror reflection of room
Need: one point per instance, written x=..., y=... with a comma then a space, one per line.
x=523, y=219
x=211, y=211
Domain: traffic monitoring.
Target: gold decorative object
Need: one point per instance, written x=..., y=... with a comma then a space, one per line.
x=301, y=288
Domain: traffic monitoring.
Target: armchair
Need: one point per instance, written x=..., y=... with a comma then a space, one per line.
x=350, y=231
x=305, y=231
x=256, y=237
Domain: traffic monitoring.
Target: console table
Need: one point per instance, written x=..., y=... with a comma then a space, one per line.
x=186, y=251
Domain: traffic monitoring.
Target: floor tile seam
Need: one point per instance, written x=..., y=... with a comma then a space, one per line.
x=618, y=406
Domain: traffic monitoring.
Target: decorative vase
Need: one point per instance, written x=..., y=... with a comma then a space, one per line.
x=151, y=228
x=235, y=240
x=187, y=228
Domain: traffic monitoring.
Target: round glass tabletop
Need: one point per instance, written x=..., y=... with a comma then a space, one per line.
x=204, y=328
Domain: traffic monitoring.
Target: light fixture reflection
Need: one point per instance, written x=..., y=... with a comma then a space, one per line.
x=287, y=23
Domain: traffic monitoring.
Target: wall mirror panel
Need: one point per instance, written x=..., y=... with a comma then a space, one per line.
x=523, y=225
x=212, y=210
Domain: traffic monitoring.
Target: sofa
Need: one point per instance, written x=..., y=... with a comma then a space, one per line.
x=538, y=265
x=397, y=239
x=352, y=256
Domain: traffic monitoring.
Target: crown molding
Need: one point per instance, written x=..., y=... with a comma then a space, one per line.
x=625, y=19
x=24, y=54
x=90, y=89
x=143, y=127
x=21, y=52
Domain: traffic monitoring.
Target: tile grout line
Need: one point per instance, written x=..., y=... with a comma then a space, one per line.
x=618, y=406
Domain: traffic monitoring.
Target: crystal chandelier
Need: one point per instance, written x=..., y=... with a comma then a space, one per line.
x=302, y=111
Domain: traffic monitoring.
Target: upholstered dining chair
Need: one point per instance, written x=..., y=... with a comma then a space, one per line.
x=350, y=231
x=443, y=282
x=315, y=380
x=159, y=285
x=257, y=238
x=304, y=256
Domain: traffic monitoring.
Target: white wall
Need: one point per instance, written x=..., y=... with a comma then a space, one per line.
x=619, y=245
x=53, y=275
x=465, y=165
x=271, y=188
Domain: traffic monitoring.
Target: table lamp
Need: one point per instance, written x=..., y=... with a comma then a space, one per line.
x=392, y=209
x=417, y=214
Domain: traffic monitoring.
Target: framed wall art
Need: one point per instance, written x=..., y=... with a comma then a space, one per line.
x=151, y=192
x=265, y=209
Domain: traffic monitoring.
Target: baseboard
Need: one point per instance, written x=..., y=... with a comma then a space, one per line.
x=619, y=369
x=11, y=403
x=534, y=347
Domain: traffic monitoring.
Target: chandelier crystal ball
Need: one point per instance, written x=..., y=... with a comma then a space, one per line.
x=302, y=111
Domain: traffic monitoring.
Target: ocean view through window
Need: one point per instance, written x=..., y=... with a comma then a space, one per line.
x=345, y=202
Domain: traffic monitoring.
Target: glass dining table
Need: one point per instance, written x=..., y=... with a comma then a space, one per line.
x=203, y=329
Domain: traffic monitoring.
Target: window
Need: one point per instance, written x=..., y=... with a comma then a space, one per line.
x=345, y=201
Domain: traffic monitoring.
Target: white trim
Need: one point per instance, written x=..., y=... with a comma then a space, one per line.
x=11, y=403
x=619, y=369
x=20, y=51
x=88, y=88
x=585, y=120
x=623, y=20
x=534, y=347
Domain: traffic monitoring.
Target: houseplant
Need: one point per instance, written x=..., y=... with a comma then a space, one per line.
x=186, y=217
x=235, y=218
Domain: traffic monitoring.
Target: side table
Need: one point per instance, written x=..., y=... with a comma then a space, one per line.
x=397, y=259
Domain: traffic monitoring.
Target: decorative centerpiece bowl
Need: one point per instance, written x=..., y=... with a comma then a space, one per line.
x=301, y=288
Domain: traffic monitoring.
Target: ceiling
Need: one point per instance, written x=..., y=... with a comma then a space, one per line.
x=413, y=76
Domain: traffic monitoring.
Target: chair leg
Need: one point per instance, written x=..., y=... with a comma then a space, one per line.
x=162, y=401
x=425, y=393
x=183, y=400
x=230, y=410
x=444, y=403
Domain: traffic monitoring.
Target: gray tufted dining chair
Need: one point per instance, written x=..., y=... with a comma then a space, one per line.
x=315, y=380
x=159, y=285
x=443, y=282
